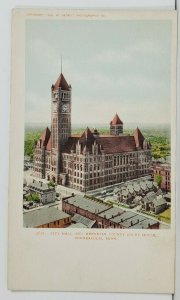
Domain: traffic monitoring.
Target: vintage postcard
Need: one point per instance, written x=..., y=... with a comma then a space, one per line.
x=92, y=154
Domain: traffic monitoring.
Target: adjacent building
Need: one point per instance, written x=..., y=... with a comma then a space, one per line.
x=46, y=217
x=153, y=203
x=105, y=215
x=163, y=171
x=46, y=193
x=90, y=160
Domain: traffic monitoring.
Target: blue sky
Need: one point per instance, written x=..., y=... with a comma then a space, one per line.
x=113, y=66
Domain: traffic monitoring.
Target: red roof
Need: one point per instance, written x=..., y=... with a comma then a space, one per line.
x=87, y=135
x=49, y=144
x=87, y=140
x=138, y=137
x=116, y=120
x=110, y=144
x=70, y=144
x=44, y=138
x=117, y=144
x=61, y=83
x=107, y=143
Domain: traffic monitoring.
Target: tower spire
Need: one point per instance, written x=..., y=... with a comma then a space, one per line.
x=61, y=64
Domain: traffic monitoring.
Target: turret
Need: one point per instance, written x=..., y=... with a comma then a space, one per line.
x=116, y=126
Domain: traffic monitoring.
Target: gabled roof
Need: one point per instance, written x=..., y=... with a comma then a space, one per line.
x=83, y=220
x=70, y=145
x=49, y=144
x=139, y=138
x=87, y=140
x=109, y=144
x=44, y=187
x=61, y=83
x=116, y=144
x=87, y=136
x=43, y=216
x=158, y=201
x=87, y=204
x=116, y=120
x=44, y=138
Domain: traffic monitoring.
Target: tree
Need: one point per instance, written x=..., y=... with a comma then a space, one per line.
x=35, y=197
x=158, y=179
x=51, y=183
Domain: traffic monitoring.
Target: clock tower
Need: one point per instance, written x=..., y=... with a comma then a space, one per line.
x=60, y=121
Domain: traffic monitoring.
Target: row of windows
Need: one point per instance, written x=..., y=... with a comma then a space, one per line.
x=38, y=151
x=38, y=170
x=39, y=165
x=65, y=121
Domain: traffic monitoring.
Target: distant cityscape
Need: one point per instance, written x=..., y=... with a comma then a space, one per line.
x=106, y=177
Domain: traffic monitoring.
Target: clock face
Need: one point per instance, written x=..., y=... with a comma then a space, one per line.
x=65, y=108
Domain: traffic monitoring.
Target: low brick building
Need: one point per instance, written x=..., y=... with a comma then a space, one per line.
x=164, y=171
x=105, y=215
x=46, y=217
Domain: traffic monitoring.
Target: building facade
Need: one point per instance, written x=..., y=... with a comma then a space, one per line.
x=163, y=171
x=46, y=193
x=88, y=161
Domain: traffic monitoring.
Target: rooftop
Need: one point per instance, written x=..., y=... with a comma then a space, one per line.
x=42, y=216
x=125, y=216
x=132, y=221
x=87, y=204
x=114, y=211
x=61, y=83
x=116, y=120
x=83, y=220
x=158, y=201
x=40, y=185
x=77, y=225
x=145, y=224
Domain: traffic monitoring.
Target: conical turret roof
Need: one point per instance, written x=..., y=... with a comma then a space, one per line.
x=61, y=83
x=116, y=120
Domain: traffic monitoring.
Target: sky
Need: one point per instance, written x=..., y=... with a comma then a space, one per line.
x=113, y=67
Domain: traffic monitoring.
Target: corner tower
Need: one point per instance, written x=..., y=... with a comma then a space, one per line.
x=116, y=126
x=60, y=120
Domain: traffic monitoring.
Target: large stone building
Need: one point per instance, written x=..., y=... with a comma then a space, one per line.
x=90, y=160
